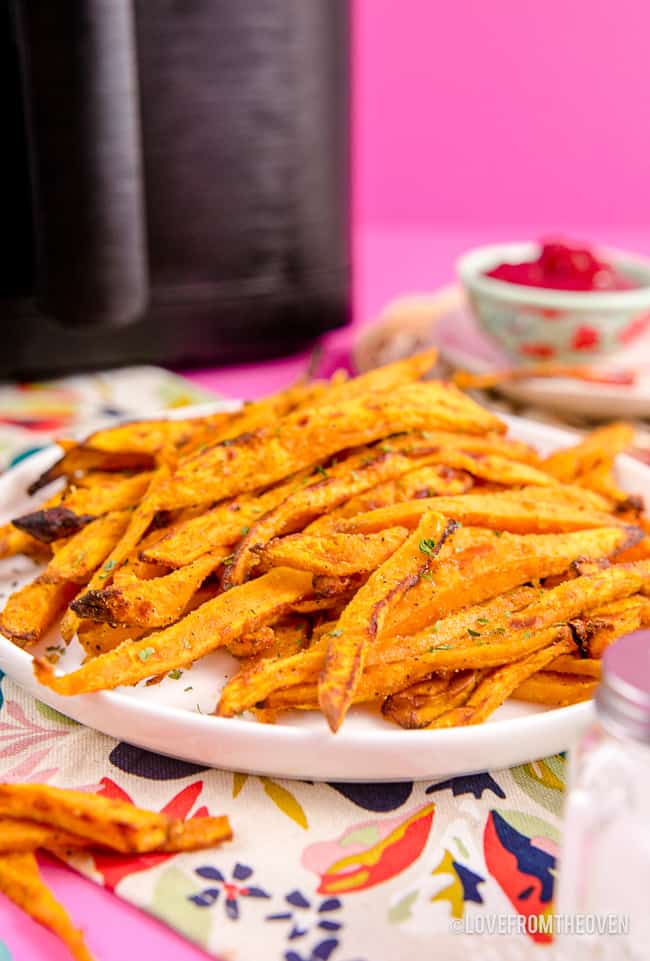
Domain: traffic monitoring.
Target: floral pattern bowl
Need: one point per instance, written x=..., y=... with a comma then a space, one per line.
x=535, y=324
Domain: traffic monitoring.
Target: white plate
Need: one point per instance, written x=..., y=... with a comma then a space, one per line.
x=166, y=718
x=465, y=346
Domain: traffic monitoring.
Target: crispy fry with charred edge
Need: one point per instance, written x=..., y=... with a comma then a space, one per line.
x=148, y=603
x=82, y=554
x=222, y=526
x=81, y=505
x=51, y=524
x=568, y=464
x=215, y=624
x=140, y=520
x=497, y=685
x=333, y=553
x=13, y=541
x=555, y=689
x=83, y=459
x=154, y=436
x=420, y=704
x=306, y=437
x=30, y=611
x=21, y=882
x=363, y=618
x=487, y=565
x=519, y=512
x=598, y=628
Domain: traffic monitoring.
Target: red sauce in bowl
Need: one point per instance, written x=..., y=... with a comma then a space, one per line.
x=562, y=265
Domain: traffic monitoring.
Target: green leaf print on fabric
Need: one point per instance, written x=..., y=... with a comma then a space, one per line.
x=51, y=715
x=170, y=903
x=543, y=781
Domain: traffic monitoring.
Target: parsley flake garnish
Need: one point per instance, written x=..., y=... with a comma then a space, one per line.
x=146, y=653
x=473, y=633
x=175, y=674
x=428, y=546
x=336, y=633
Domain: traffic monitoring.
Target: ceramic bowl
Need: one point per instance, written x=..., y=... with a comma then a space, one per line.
x=537, y=324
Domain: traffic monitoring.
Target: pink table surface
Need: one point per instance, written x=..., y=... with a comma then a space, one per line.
x=388, y=262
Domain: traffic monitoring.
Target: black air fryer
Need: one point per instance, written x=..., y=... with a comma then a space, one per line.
x=175, y=180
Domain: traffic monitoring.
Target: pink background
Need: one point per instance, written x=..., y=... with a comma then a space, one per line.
x=475, y=120
x=516, y=112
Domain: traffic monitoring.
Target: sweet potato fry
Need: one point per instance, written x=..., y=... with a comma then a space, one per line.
x=115, y=824
x=21, y=882
x=577, y=666
x=153, y=436
x=97, y=638
x=82, y=458
x=331, y=488
x=504, y=511
x=363, y=618
x=492, y=467
x=13, y=541
x=600, y=480
x=568, y=464
x=21, y=834
x=150, y=603
x=429, y=481
x=498, y=685
x=307, y=437
x=81, y=505
x=87, y=550
x=215, y=624
x=139, y=522
x=468, y=381
x=32, y=610
x=340, y=554
x=222, y=526
x=422, y=703
x=555, y=689
x=491, y=565
x=489, y=443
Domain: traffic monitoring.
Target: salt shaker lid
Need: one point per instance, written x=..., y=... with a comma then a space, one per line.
x=623, y=697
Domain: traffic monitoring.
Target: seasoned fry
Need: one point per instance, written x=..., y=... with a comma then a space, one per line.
x=554, y=689
x=216, y=623
x=422, y=703
x=20, y=834
x=21, y=882
x=82, y=554
x=78, y=459
x=32, y=610
x=602, y=444
x=499, y=684
x=111, y=823
x=331, y=488
x=308, y=534
x=516, y=511
x=306, y=437
x=13, y=541
x=334, y=554
x=489, y=565
x=81, y=505
x=222, y=526
x=148, y=603
x=363, y=618
x=576, y=666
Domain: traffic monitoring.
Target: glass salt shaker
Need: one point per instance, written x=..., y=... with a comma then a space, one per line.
x=603, y=900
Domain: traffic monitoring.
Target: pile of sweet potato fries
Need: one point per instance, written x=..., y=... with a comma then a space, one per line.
x=37, y=817
x=375, y=540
